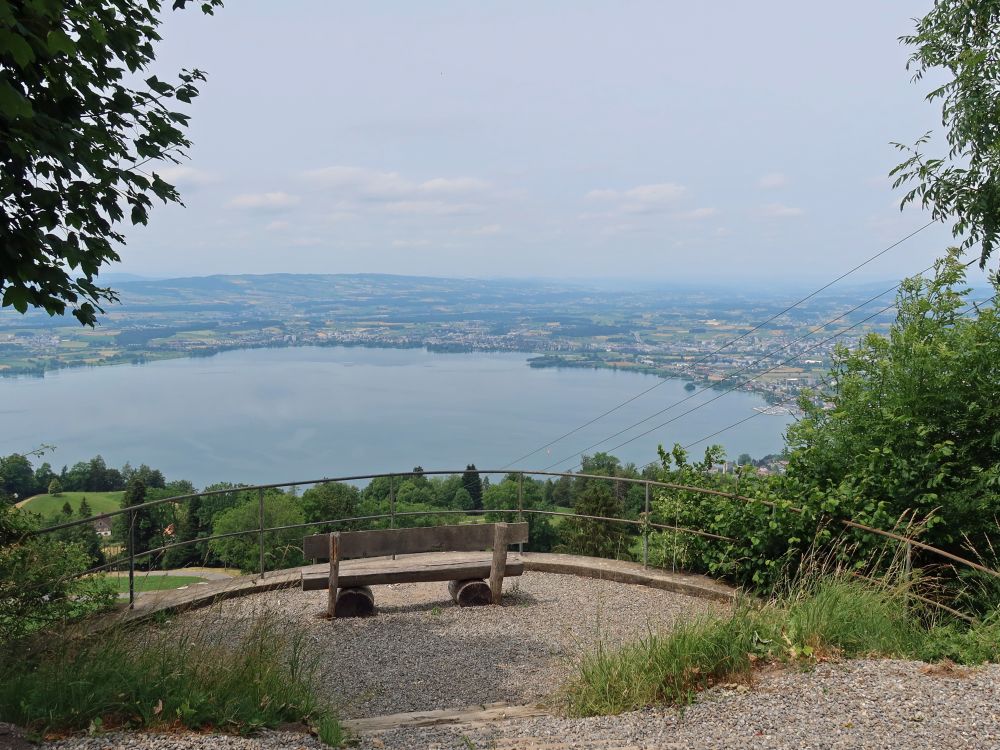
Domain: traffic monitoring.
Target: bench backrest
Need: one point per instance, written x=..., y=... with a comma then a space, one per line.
x=381, y=542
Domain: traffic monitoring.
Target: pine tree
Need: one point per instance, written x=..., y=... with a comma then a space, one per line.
x=85, y=511
x=473, y=485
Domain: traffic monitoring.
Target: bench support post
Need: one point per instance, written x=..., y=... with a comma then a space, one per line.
x=499, y=564
x=331, y=594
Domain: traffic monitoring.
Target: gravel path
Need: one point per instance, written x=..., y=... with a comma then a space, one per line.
x=862, y=704
x=421, y=652
x=881, y=705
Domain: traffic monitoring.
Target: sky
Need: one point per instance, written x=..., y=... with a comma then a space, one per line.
x=633, y=139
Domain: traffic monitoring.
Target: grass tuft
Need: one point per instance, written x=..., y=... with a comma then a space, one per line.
x=166, y=677
x=827, y=617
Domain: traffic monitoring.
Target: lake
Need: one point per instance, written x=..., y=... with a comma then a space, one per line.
x=272, y=415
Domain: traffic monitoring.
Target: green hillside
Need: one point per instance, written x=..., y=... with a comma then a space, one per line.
x=51, y=505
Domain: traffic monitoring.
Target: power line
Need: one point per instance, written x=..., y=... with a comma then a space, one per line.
x=747, y=367
x=745, y=382
x=725, y=345
x=970, y=308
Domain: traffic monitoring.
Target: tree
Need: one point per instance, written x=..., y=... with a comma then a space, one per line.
x=282, y=549
x=85, y=511
x=473, y=485
x=461, y=500
x=915, y=423
x=67, y=509
x=959, y=39
x=77, y=143
x=16, y=475
x=541, y=532
x=329, y=501
x=43, y=477
x=584, y=536
x=144, y=522
x=55, y=487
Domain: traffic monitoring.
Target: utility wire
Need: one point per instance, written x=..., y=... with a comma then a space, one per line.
x=758, y=361
x=725, y=345
x=739, y=385
x=970, y=308
x=749, y=366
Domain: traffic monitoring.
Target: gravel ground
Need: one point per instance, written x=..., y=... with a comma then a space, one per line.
x=421, y=652
x=881, y=705
x=862, y=704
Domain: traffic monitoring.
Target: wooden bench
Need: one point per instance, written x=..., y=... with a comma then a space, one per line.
x=349, y=592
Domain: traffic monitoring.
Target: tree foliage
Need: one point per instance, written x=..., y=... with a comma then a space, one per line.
x=960, y=39
x=282, y=549
x=915, y=426
x=37, y=589
x=81, y=133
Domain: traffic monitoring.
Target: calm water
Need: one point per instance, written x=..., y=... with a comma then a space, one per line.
x=270, y=415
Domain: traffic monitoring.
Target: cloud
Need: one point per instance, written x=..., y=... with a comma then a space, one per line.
x=276, y=226
x=370, y=184
x=601, y=195
x=181, y=175
x=696, y=214
x=410, y=243
x=642, y=199
x=485, y=230
x=365, y=183
x=661, y=192
x=772, y=181
x=780, y=211
x=453, y=185
x=430, y=208
x=263, y=201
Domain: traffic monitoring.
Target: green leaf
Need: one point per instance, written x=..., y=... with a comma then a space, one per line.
x=12, y=103
x=16, y=46
x=59, y=41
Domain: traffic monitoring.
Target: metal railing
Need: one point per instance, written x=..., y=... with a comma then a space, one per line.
x=643, y=522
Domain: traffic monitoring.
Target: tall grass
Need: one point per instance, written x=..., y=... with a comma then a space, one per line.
x=829, y=616
x=257, y=675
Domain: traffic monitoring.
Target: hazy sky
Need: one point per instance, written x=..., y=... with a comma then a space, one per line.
x=653, y=140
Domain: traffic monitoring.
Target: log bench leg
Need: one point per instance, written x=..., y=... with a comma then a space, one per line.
x=357, y=601
x=470, y=593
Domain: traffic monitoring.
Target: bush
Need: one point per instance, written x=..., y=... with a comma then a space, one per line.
x=37, y=584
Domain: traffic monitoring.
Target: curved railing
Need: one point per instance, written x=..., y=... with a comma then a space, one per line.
x=520, y=511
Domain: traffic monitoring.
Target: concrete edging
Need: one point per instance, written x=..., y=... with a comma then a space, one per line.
x=170, y=601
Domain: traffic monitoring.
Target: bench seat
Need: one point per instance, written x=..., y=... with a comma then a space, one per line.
x=409, y=569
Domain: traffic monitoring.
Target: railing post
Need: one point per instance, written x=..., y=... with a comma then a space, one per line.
x=673, y=562
x=260, y=528
x=645, y=532
x=131, y=559
x=520, y=506
x=392, y=505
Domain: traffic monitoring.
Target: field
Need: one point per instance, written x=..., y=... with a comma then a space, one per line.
x=51, y=505
x=153, y=582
